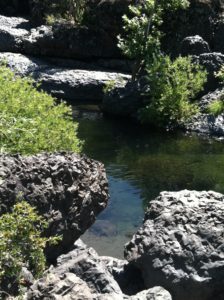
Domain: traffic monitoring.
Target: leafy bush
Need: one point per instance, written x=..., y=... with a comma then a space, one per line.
x=21, y=244
x=30, y=120
x=172, y=84
x=142, y=34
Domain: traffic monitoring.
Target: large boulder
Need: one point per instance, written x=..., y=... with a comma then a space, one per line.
x=82, y=274
x=125, y=100
x=212, y=62
x=68, y=189
x=64, y=82
x=180, y=245
x=194, y=45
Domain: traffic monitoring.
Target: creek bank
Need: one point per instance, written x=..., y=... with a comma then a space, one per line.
x=68, y=189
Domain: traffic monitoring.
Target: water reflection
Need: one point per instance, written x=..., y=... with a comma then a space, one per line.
x=139, y=166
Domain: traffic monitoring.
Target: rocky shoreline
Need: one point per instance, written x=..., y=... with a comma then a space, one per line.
x=176, y=254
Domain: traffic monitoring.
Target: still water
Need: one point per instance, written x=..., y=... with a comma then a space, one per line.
x=140, y=164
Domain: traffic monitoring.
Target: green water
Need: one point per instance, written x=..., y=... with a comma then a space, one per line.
x=140, y=164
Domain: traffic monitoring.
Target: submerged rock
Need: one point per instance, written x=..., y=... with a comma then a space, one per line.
x=82, y=274
x=180, y=245
x=68, y=189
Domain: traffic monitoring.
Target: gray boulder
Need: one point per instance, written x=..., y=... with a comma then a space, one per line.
x=64, y=82
x=82, y=274
x=12, y=30
x=180, y=245
x=194, y=45
x=212, y=62
x=68, y=189
x=209, y=98
x=124, y=101
x=206, y=125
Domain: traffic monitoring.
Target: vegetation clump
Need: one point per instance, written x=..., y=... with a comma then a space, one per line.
x=172, y=83
x=30, y=120
x=21, y=245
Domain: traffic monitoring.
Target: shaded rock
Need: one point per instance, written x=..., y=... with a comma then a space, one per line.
x=194, y=45
x=155, y=293
x=127, y=276
x=82, y=274
x=14, y=7
x=60, y=40
x=208, y=99
x=180, y=245
x=66, y=83
x=201, y=18
x=212, y=63
x=68, y=189
x=207, y=125
x=70, y=42
x=125, y=101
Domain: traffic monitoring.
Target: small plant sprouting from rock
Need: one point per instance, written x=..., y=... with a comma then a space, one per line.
x=220, y=74
x=21, y=245
x=109, y=86
x=217, y=107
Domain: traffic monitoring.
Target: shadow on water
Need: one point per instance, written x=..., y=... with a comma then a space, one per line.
x=140, y=164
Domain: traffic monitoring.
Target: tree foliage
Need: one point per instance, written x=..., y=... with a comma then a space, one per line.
x=30, y=120
x=141, y=40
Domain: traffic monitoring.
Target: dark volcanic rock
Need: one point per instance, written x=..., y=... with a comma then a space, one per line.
x=180, y=245
x=68, y=189
x=207, y=125
x=203, y=18
x=125, y=101
x=83, y=275
x=63, y=82
x=194, y=45
x=212, y=62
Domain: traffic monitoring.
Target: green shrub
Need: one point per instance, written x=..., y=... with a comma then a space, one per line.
x=21, y=245
x=216, y=107
x=220, y=74
x=30, y=120
x=172, y=85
